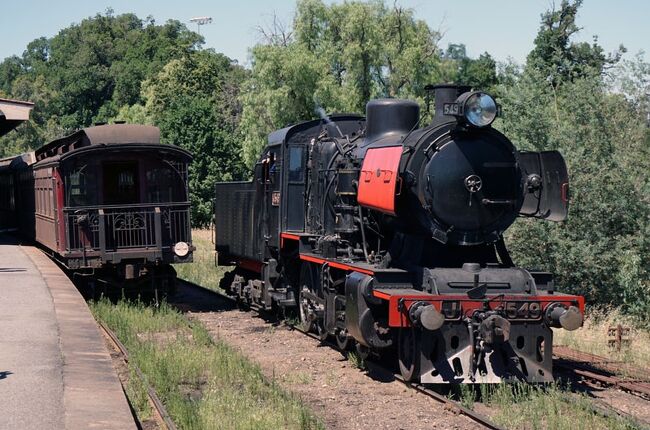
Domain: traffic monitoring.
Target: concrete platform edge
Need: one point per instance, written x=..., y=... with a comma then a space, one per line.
x=92, y=394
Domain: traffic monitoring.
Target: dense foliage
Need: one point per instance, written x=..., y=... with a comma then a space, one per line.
x=338, y=57
x=560, y=101
x=568, y=96
x=121, y=67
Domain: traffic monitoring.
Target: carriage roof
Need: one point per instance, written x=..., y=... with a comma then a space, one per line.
x=109, y=136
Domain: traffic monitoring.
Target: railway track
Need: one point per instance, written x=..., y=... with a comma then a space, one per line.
x=580, y=365
x=603, y=371
x=449, y=403
x=158, y=406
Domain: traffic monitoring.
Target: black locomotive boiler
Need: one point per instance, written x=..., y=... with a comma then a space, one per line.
x=389, y=235
x=109, y=202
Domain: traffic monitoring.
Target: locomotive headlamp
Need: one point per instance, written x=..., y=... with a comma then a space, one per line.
x=181, y=249
x=476, y=108
x=480, y=109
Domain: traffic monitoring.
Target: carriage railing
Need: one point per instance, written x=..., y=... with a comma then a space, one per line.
x=114, y=228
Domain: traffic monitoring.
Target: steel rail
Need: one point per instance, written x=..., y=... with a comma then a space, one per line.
x=591, y=371
x=602, y=410
x=158, y=405
x=456, y=406
x=420, y=388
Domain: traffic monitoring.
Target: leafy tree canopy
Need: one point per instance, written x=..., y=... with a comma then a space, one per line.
x=336, y=58
x=88, y=71
x=557, y=57
x=194, y=101
x=561, y=101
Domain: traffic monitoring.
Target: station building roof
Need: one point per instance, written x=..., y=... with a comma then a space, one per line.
x=12, y=113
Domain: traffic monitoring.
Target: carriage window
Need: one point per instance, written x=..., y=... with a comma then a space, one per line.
x=77, y=182
x=80, y=186
x=295, y=164
x=164, y=184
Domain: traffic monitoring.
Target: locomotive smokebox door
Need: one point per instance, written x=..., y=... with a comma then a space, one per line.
x=546, y=185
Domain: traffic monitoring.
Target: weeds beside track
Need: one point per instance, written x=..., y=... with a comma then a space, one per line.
x=204, y=384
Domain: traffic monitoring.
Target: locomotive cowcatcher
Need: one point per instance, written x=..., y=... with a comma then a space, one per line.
x=389, y=235
x=109, y=202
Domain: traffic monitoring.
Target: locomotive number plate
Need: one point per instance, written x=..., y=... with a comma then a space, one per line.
x=275, y=198
x=523, y=310
x=451, y=109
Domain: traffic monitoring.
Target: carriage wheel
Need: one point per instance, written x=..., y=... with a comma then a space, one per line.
x=408, y=351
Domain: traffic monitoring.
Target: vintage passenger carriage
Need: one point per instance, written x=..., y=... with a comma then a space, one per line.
x=108, y=200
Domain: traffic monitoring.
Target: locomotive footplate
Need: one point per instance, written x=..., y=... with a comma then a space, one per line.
x=491, y=339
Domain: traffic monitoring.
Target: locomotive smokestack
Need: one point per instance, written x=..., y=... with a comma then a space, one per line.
x=392, y=117
x=445, y=93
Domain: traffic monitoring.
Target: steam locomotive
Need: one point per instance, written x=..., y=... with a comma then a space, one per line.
x=109, y=202
x=388, y=235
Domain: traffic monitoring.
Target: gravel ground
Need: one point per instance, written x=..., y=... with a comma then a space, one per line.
x=343, y=396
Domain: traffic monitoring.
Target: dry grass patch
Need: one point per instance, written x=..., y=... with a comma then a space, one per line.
x=530, y=406
x=592, y=338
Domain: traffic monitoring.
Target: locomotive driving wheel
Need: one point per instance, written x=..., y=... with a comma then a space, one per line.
x=308, y=300
x=408, y=350
x=306, y=314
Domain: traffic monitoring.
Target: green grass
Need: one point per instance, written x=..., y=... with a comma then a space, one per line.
x=203, y=271
x=204, y=384
x=356, y=360
x=529, y=406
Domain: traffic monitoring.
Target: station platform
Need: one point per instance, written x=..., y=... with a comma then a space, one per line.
x=55, y=369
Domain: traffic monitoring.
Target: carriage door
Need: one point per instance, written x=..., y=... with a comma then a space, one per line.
x=121, y=182
x=294, y=215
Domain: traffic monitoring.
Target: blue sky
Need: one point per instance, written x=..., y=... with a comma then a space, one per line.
x=505, y=28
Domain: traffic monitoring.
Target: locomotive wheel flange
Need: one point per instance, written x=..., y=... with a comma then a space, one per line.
x=408, y=350
x=309, y=293
x=343, y=340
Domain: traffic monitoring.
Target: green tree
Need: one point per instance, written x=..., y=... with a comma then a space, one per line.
x=560, y=101
x=89, y=71
x=337, y=57
x=194, y=101
x=480, y=73
x=559, y=58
